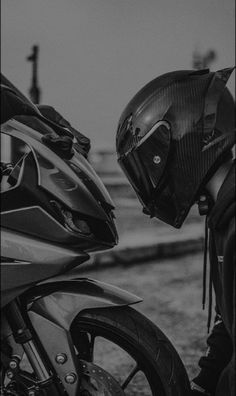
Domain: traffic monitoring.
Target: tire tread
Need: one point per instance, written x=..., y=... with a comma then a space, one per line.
x=150, y=339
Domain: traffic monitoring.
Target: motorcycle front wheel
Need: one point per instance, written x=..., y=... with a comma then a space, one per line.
x=121, y=352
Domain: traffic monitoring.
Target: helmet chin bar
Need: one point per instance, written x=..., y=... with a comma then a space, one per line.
x=149, y=211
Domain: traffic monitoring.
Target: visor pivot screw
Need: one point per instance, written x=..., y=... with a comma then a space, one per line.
x=156, y=159
x=70, y=378
x=13, y=364
x=61, y=358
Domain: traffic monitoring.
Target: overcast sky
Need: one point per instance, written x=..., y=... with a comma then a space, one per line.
x=96, y=54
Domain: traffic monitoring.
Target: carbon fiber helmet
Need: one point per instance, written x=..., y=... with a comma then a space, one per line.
x=172, y=136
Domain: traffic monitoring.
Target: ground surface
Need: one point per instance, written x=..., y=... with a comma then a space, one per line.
x=129, y=217
x=171, y=290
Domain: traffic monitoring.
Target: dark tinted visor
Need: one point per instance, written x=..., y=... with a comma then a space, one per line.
x=144, y=164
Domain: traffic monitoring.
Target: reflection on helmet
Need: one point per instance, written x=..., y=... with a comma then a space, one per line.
x=172, y=136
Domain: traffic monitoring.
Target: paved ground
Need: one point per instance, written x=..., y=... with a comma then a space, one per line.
x=171, y=289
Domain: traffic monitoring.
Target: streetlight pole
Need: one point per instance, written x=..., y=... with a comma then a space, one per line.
x=34, y=90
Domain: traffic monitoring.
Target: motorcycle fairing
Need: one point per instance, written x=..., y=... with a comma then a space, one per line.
x=21, y=219
x=77, y=171
x=52, y=307
x=38, y=260
x=54, y=182
x=63, y=297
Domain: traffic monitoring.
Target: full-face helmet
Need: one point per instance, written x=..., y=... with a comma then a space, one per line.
x=172, y=136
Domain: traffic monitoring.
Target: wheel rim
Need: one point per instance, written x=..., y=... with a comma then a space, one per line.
x=134, y=371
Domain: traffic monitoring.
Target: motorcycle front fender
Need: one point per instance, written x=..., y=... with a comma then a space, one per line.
x=53, y=305
x=60, y=300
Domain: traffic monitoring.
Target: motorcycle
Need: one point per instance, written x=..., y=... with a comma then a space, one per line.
x=62, y=334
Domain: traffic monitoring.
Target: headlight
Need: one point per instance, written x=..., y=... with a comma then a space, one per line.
x=72, y=220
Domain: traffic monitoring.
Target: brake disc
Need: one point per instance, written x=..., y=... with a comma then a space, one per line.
x=95, y=381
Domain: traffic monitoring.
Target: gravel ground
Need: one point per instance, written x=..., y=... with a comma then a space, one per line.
x=171, y=290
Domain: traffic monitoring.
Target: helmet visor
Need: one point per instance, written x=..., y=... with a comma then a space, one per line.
x=144, y=164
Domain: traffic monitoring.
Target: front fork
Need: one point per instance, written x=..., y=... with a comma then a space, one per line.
x=52, y=307
x=44, y=379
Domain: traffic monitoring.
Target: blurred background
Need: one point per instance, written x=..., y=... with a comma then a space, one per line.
x=90, y=58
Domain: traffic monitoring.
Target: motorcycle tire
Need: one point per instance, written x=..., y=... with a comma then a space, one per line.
x=155, y=357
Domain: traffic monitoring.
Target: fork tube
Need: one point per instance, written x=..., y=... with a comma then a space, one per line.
x=24, y=337
x=36, y=362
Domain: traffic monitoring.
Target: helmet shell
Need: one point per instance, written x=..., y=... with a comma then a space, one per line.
x=186, y=120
